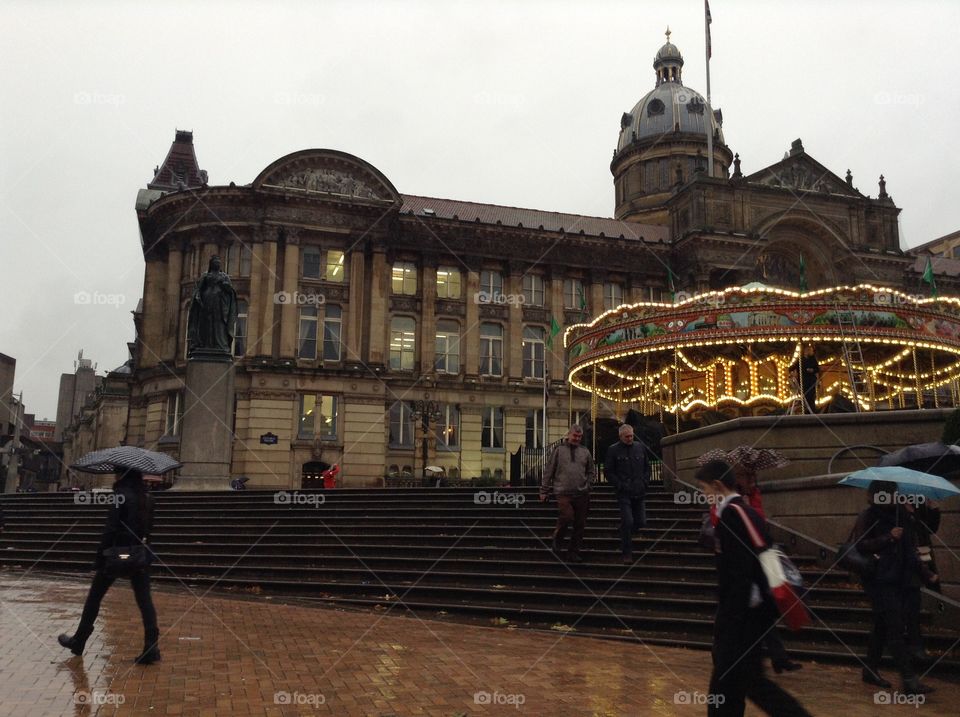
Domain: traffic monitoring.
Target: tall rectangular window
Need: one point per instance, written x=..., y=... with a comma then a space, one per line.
x=332, y=325
x=335, y=271
x=307, y=345
x=404, y=278
x=533, y=351
x=403, y=333
x=448, y=427
x=311, y=262
x=401, y=425
x=534, y=432
x=318, y=417
x=612, y=295
x=240, y=333
x=533, y=290
x=491, y=282
x=237, y=259
x=448, y=283
x=491, y=349
x=173, y=415
x=574, y=296
x=448, y=347
x=492, y=435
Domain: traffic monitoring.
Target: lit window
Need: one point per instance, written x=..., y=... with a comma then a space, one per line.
x=403, y=331
x=318, y=417
x=334, y=266
x=448, y=427
x=448, y=283
x=404, y=278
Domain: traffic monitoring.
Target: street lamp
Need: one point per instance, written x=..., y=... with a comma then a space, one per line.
x=425, y=412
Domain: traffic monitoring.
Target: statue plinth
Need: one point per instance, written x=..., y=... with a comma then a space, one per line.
x=206, y=436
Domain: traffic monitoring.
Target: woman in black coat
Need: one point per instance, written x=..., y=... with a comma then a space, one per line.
x=129, y=521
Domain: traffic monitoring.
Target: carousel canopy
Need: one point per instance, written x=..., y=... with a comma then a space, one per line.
x=742, y=346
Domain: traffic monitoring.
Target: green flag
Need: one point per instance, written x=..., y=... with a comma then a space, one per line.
x=554, y=330
x=583, y=302
x=670, y=284
x=928, y=277
x=803, y=275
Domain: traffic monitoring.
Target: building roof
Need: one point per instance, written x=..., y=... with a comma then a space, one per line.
x=179, y=169
x=940, y=265
x=932, y=245
x=531, y=219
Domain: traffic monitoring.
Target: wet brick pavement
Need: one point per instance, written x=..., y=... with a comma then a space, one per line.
x=239, y=656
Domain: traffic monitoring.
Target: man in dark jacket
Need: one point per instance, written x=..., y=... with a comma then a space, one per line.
x=744, y=609
x=627, y=470
x=886, y=529
x=569, y=474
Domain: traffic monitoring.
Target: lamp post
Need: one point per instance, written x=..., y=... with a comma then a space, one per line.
x=425, y=412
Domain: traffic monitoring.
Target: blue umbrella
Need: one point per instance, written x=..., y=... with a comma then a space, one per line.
x=909, y=482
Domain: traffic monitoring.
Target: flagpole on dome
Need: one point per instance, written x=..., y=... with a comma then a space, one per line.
x=706, y=23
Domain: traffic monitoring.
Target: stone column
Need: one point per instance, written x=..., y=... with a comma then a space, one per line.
x=353, y=341
x=471, y=425
x=257, y=303
x=379, y=306
x=514, y=331
x=428, y=319
x=175, y=336
x=470, y=343
x=291, y=284
x=268, y=309
x=594, y=294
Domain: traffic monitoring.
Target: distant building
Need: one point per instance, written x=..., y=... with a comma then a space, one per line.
x=74, y=389
x=8, y=369
x=947, y=246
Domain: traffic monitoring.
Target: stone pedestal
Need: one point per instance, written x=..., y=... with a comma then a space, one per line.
x=206, y=438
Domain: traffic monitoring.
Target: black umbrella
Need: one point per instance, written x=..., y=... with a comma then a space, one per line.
x=936, y=458
x=110, y=460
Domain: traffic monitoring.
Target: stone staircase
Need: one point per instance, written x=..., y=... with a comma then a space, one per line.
x=447, y=553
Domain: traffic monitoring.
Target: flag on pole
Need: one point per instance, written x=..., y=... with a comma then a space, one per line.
x=928, y=277
x=706, y=7
x=554, y=330
x=583, y=301
x=670, y=285
x=803, y=274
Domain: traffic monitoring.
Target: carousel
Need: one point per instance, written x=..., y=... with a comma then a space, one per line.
x=743, y=351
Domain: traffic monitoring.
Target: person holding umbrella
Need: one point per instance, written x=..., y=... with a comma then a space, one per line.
x=124, y=550
x=886, y=529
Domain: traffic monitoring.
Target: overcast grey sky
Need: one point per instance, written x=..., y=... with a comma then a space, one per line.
x=512, y=103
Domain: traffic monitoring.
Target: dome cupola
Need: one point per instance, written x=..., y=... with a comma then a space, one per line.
x=668, y=62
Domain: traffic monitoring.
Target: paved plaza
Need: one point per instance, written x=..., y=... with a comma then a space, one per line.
x=225, y=655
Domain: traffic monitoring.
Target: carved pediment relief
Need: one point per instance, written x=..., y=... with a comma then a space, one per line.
x=327, y=172
x=802, y=174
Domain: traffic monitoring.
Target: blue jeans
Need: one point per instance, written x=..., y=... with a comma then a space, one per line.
x=633, y=516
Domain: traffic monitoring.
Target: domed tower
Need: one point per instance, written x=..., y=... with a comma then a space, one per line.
x=663, y=143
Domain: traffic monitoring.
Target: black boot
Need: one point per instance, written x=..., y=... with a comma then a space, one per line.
x=872, y=677
x=151, y=648
x=73, y=643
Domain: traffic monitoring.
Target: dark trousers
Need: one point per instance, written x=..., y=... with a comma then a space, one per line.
x=573, y=511
x=633, y=517
x=738, y=672
x=140, y=581
x=896, y=621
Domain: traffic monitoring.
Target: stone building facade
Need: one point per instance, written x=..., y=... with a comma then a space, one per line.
x=386, y=332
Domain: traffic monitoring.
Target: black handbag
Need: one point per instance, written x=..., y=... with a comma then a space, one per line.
x=123, y=561
x=850, y=558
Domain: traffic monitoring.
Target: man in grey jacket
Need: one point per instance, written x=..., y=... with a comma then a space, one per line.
x=569, y=474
